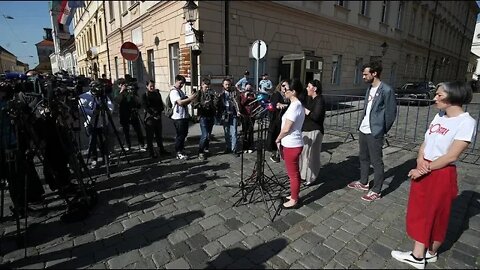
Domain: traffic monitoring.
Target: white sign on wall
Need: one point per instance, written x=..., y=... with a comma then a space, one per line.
x=189, y=35
x=137, y=37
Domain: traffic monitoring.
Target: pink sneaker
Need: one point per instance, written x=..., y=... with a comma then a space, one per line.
x=358, y=186
x=371, y=196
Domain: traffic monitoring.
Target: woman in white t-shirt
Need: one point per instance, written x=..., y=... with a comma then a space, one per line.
x=434, y=181
x=290, y=140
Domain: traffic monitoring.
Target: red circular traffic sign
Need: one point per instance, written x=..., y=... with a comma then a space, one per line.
x=129, y=51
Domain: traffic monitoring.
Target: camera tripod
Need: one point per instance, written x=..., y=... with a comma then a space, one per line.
x=102, y=111
x=266, y=188
x=80, y=198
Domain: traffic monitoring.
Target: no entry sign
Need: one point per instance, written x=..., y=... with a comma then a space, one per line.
x=129, y=51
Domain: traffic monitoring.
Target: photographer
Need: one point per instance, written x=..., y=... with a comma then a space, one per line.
x=205, y=103
x=128, y=105
x=179, y=102
x=91, y=102
x=153, y=104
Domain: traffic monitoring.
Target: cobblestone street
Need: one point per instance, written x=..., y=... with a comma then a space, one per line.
x=173, y=214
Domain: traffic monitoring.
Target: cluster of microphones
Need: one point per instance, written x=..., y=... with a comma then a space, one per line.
x=263, y=105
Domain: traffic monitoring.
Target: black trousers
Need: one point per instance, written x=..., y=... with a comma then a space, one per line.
x=181, y=127
x=135, y=122
x=96, y=134
x=153, y=127
x=247, y=130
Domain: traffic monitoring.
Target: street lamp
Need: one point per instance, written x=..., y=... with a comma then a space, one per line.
x=190, y=13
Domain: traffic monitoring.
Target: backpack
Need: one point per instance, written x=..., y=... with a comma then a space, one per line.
x=168, y=111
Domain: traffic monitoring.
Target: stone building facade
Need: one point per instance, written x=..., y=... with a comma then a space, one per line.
x=415, y=40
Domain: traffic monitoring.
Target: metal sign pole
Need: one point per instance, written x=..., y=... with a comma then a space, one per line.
x=258, y=61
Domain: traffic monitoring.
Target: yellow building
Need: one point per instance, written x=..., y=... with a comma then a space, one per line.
x=415, y=40
x=8, y=61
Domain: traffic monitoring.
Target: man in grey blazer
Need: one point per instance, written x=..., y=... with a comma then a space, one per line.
x=379, y=112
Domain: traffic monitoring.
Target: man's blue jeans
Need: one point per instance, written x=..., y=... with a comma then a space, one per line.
x=230, y=131
x=206, y=126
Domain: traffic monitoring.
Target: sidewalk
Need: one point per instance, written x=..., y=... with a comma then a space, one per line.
x=173, y=214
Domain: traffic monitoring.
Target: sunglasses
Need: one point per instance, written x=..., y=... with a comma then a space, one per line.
x=284, y=85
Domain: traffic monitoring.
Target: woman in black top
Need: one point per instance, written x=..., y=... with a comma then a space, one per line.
x=312, y=132
x=280, y=103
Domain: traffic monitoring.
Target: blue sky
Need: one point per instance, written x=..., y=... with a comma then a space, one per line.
x=30, y=17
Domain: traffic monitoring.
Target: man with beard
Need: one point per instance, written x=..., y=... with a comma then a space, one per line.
x=229, y=111
x=379, y=112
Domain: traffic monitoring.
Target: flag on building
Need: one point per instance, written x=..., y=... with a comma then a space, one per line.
x=67, y=10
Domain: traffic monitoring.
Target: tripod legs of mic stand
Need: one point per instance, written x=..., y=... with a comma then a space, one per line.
x=258, y=181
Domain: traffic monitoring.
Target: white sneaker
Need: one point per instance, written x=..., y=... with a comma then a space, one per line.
x=127, y=149
x=142, y=148
x=407, y=257
x=429, y=258
x=181, y=156
x=206, y=151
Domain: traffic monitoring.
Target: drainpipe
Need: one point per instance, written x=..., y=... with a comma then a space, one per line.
x=226, y=36
x=463, y=41
x=430, y=41
x=106, y=40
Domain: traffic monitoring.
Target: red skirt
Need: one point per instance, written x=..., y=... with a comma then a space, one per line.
x=429, y=205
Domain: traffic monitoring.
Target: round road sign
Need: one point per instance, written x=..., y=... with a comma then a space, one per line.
x=129, y=51
x=259, y=49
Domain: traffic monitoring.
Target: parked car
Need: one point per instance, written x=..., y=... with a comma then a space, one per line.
x=416, y=93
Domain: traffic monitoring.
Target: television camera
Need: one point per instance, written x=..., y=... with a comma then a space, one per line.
x=42, y=108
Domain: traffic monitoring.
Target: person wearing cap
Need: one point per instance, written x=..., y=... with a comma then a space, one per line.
x=240, y=85
x=265, y=85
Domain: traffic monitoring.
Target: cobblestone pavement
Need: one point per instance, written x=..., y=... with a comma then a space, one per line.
x=173, y=214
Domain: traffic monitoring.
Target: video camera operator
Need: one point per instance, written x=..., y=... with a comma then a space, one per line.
x=91, y=101
x=108, y=86
x=15, y=164
x=128, y=105
x=52, y=123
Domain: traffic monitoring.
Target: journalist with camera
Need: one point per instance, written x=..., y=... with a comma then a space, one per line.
x=153, y=104
x=206, y=105
x=128, y=105
x=92, y=102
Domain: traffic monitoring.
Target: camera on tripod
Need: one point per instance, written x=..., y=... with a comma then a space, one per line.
x=132, y=88
x=97, y=88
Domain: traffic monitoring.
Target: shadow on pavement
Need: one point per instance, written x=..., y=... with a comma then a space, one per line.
x=254, y=258
x=326, y=147
x=399, y=174
x=456, y=226
x=122, y=188
x=335, y=176
x=96, y=251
